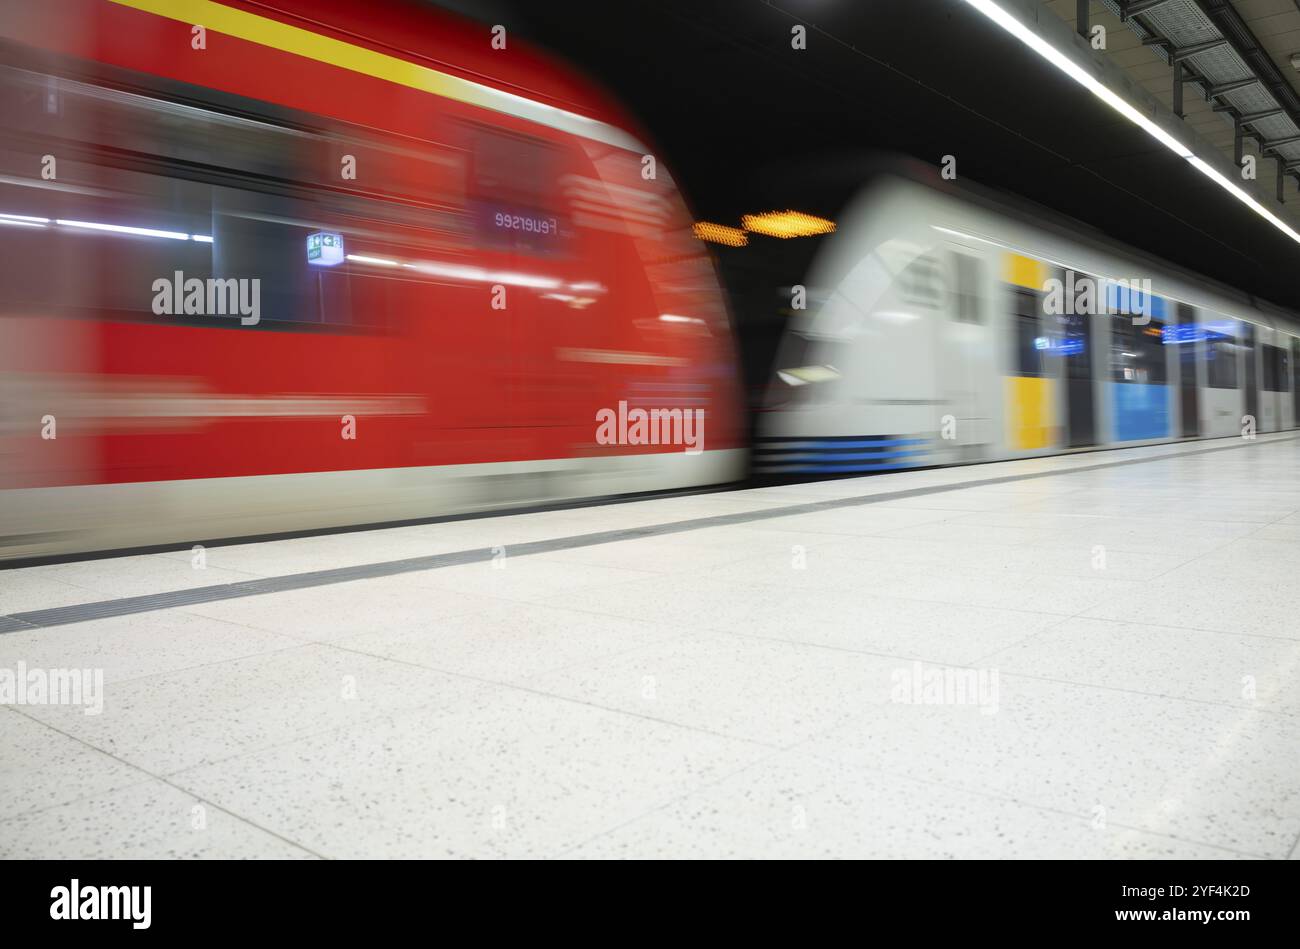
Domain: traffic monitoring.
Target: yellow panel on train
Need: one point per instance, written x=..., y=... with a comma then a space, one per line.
x=1024, y=272
x=1030, y=422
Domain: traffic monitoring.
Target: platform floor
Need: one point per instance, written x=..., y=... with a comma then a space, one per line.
x=772, y=686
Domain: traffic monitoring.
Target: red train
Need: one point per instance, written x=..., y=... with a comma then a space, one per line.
x=272, y=266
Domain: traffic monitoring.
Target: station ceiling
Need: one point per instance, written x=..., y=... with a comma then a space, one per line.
x=1234, y=57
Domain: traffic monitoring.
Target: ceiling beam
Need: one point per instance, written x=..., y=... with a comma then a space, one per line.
x=1134, y=7
x=1247, y=118
x=1179, y=53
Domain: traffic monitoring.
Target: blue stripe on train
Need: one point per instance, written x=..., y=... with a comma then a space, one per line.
x=830, y=469
x=828, y=454
x=774, y=444
x=782, y=457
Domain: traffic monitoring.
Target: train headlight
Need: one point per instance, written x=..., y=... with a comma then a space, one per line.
x=807, y=374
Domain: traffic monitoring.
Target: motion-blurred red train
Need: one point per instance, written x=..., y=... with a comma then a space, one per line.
x=274, y=266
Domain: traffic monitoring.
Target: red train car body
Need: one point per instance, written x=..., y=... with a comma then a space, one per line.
x=274, y=266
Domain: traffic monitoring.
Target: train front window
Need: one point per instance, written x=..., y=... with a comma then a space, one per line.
x=921, y=283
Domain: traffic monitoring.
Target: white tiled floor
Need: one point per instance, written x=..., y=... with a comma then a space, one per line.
x=727, y=691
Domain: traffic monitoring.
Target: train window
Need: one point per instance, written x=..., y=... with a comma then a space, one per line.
x=512, y=167
x=966, y=302
x=387, y=167
x=1137, y=351
x=1073, y=344
x=1276, y=378
x=106, y=254
x=1295, y=381
x=921, y=283
x=1031, y=344
x=262, y=144
x=149, y=188
x=1069, y=326
x=1221, y=351
x=514, y=191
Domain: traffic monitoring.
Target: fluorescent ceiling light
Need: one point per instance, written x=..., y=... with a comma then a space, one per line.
x=23, y=219
x=1076, y=72
x=1242, y=196
x=719, y=234
x=454, y=271
x=526, y=280
x=464, y=272
x=123, y=229
x=377, y=261
x=29, y=221
x=1084, y=78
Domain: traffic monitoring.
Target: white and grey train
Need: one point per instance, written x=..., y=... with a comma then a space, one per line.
x=943, y=329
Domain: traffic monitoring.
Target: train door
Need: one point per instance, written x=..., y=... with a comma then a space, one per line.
x=1029, y=392
x=1141, y=400
x=1274, y=382
x=1221, y=399
x=1295, y=383
x=524, y=240
x=967, y=359
x=896, y=376
x=1252, y=378
x=1074, y=345
x=1285, y=371
x=1189, y=361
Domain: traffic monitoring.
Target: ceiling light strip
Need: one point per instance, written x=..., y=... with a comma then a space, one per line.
x=1080, y=75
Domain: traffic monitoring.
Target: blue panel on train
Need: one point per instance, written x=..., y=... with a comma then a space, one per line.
x=1141, y=411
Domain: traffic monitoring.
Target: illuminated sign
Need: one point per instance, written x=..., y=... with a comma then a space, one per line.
x=324, y=249
x=1070, y=346
x=520, y=229
x=787, y=224
x=1191, y=333
x=719, y=234
x=526, y=223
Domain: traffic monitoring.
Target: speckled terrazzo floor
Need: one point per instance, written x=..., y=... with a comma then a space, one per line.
x=752, y=690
